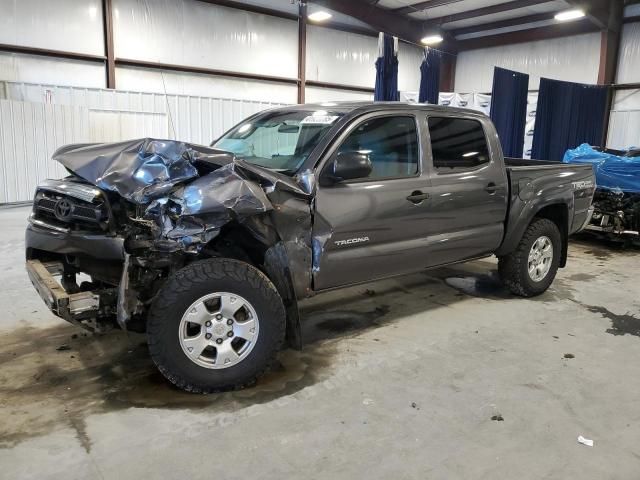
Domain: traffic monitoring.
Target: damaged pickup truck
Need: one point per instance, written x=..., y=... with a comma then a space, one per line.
x=209, y=250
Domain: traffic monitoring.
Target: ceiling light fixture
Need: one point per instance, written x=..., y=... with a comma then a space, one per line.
x=569, y=15
x=432, y=39
x=319, y=16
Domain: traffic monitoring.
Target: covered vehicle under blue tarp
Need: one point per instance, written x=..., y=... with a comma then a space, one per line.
x=613, y=172
x=616, y=201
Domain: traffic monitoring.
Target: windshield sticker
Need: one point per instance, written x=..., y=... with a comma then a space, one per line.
x=319, y=120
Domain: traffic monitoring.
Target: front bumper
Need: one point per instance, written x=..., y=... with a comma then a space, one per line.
x=72, y=307
x=41, y=236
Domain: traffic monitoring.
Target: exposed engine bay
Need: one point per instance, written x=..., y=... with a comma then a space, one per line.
x=616, y=212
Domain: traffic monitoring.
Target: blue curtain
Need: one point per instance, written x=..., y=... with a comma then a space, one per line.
x=568, y=114
x=387, y=73
x=509, y=109
x=430, y=77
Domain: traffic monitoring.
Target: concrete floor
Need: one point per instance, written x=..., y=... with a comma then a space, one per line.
x=399, y=379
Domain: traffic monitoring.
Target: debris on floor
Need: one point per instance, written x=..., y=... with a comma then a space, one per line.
x=497, y=418
x=63, y=347
x=585, y=441
x=569, y=355
x=415, y=405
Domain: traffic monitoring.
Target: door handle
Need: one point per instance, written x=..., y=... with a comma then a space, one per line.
x=491, y=188
x=417, y=197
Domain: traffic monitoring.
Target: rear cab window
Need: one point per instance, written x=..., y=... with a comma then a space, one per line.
x=457, y=144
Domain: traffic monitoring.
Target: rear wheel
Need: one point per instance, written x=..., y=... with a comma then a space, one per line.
x=532, y=266
x=215, y=325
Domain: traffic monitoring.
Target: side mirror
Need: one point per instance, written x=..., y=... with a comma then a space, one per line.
x=348, y=166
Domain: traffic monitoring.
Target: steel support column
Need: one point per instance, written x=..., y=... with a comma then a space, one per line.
x=107, y=24
x=302, y=50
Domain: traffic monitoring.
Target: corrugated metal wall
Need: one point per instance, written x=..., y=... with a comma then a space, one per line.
x=29, y=134
x=624, y=123
x=36, y=119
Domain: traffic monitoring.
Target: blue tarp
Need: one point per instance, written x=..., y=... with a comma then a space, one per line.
x=612, y=172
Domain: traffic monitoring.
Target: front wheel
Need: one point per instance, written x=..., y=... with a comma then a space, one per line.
x=215, y=325
x=531, y=267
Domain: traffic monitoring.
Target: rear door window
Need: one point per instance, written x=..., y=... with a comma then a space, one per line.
x=457, y=144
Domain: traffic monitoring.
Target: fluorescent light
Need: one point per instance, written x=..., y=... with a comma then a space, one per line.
x=319, y=16
x=569, y=15
x=469, y=154
x=432, y=39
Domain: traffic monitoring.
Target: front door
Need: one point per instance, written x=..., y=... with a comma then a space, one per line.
x=376, y=226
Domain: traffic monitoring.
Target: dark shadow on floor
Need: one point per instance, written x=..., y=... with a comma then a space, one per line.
x=60, y=375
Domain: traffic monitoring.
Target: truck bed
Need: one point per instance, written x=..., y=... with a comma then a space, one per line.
x=546, y=182
x=524, y=162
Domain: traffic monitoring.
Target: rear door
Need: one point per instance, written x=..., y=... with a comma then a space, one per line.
x=373, y=227
x=469, y=190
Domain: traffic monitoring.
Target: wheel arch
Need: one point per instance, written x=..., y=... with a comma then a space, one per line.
x=260, y=246
x=557, y=212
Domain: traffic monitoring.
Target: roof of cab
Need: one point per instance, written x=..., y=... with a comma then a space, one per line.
x=350, y=106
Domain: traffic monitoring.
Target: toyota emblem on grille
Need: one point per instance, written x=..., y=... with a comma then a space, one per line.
x=63, y=210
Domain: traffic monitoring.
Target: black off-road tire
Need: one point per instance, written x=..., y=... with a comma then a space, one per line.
x=513, y=268
x=193, y=282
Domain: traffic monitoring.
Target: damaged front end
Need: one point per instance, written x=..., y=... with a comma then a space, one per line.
x=165, y=203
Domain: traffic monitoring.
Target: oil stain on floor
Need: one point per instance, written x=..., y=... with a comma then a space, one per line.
x=45, y=387
x=626, y=324
x=42, y=387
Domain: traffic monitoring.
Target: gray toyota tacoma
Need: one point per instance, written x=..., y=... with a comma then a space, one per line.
x=209, y=249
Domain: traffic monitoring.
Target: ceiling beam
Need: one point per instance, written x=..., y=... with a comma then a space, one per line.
x=420, y=6
x=490, y=10
x=253, y=8
x=511, y=22
x=597, y=10
x=532, y=35
x=384, y=20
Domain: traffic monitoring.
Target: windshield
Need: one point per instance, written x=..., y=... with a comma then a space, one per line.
x=279, y=140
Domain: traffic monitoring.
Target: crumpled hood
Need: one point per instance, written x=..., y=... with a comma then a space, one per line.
x=190, y=191
x=138, y=170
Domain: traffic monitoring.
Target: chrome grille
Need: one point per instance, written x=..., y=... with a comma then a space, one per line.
x=67, y=209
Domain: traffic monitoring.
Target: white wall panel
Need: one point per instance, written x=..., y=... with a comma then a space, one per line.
x=148, y=80
x=629, y=59
x=36, y=119
x=189, y=32
x=341, y=57
x=38, y=69
x=29, y=134
x=319, y=95
x=70, y=25
x=409, y=60
x=574, y=59
x=117, y=125
x=624, y=122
